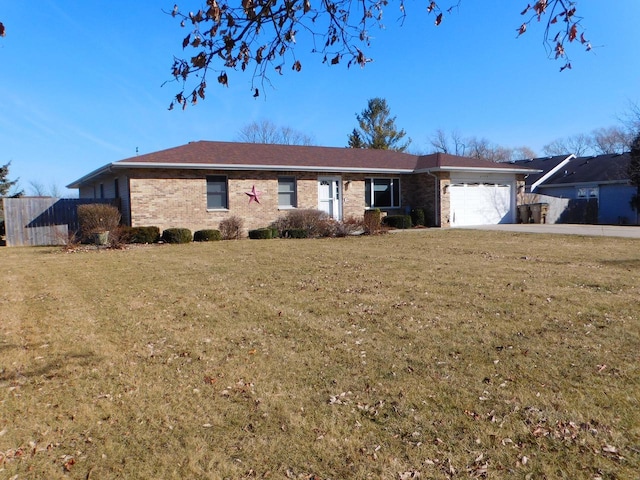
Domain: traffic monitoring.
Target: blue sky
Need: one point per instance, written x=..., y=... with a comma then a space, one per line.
x=81, y=83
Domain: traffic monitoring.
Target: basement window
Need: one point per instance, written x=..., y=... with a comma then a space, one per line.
x=217, y=198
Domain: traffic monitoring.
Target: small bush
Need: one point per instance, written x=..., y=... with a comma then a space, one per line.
x=231, y=228
x=350, y=226
x=119, y=237
x=316, y=222
x=261, y=234
x=398, y=221
x=177, y=235
x=417, y=216
x=143, y=234
x=207, y=236
x=372, y=221
x=295, y=233
x=97, y=218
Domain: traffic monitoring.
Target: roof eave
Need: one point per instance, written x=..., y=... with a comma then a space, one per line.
x=477, y=169
x=587, y=183
x=96, y=173
x=278, y=168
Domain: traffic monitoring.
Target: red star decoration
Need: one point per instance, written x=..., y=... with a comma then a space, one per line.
x=254, y=195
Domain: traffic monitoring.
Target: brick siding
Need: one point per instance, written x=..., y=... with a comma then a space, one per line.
x=178, y=198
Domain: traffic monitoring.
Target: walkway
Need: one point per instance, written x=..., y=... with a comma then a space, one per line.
x=566, y=229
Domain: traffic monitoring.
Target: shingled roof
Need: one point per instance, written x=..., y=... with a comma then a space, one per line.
x=570, y=170
x=257, y=156
x=597, y=169
x=545, y=167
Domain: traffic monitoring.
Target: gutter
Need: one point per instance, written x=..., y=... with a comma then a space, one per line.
x=478, y=170
x=285, y=168
x=208, y=166
x=97, y=172
x=291, y=168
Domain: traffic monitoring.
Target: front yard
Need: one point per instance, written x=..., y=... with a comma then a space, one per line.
x=430, y=354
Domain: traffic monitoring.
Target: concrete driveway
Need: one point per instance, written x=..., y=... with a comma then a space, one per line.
x=566, y=229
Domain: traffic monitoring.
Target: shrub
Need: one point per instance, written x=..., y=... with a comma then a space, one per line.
x=231, y=228
x=418, y=216
x=261, y=234
x=350, y=226
x=97, y=218
x=398, y=221
x=316, y=222
x=143, y=234
x=177, y=235
x=295, y=233
x=207, y=236
x=119, y=236
x=372, y=221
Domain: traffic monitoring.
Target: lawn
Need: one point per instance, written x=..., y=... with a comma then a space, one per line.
x=432, y=354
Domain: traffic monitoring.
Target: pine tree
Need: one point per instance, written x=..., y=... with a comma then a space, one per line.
x=5, y=183
x=633, y=170
x=377, y=128
x=355, y=140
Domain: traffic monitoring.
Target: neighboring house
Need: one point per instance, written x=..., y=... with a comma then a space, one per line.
x=582, y=189
x=199, y=184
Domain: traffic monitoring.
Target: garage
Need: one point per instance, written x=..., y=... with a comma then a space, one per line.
x=482, y=200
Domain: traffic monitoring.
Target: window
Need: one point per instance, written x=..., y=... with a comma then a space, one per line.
x=382, y=192
x=116, y=188
x=217, y=192
x=588, y=192
x=287, y=192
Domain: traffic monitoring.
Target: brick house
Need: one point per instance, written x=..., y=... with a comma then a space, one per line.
x=199, y=184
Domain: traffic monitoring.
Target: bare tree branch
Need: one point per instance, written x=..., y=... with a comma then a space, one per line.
x=226, y=36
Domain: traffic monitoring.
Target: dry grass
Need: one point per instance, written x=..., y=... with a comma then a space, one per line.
x=432, y=354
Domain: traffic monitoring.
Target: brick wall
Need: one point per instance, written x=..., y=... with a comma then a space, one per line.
x=178, y=198
x=175, y=198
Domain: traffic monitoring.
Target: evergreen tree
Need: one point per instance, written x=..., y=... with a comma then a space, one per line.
x=633, y=170
x=355, y=140
x=5, y=183
x=377, y=128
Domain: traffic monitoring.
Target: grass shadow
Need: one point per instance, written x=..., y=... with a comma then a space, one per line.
x=626, y=263
x=51, y=368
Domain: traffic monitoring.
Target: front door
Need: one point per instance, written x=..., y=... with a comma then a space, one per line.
x=329, y=196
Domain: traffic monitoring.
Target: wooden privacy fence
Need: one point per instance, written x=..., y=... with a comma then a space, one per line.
x=36, y=221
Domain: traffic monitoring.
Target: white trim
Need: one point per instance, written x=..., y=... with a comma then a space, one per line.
x=280, y=168
x=476, y=170
x=551, y=172
x=587, y=184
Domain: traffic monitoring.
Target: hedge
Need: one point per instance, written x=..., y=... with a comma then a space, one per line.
x=397, y=221
x=261, y=234
x=142, y=234
x=295, y=233
x=177, y=235
x=209, y=235
x=418, y=216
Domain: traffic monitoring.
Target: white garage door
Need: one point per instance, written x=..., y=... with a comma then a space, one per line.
x=481, y=203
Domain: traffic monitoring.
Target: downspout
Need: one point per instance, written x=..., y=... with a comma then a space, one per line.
x=436, y=191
